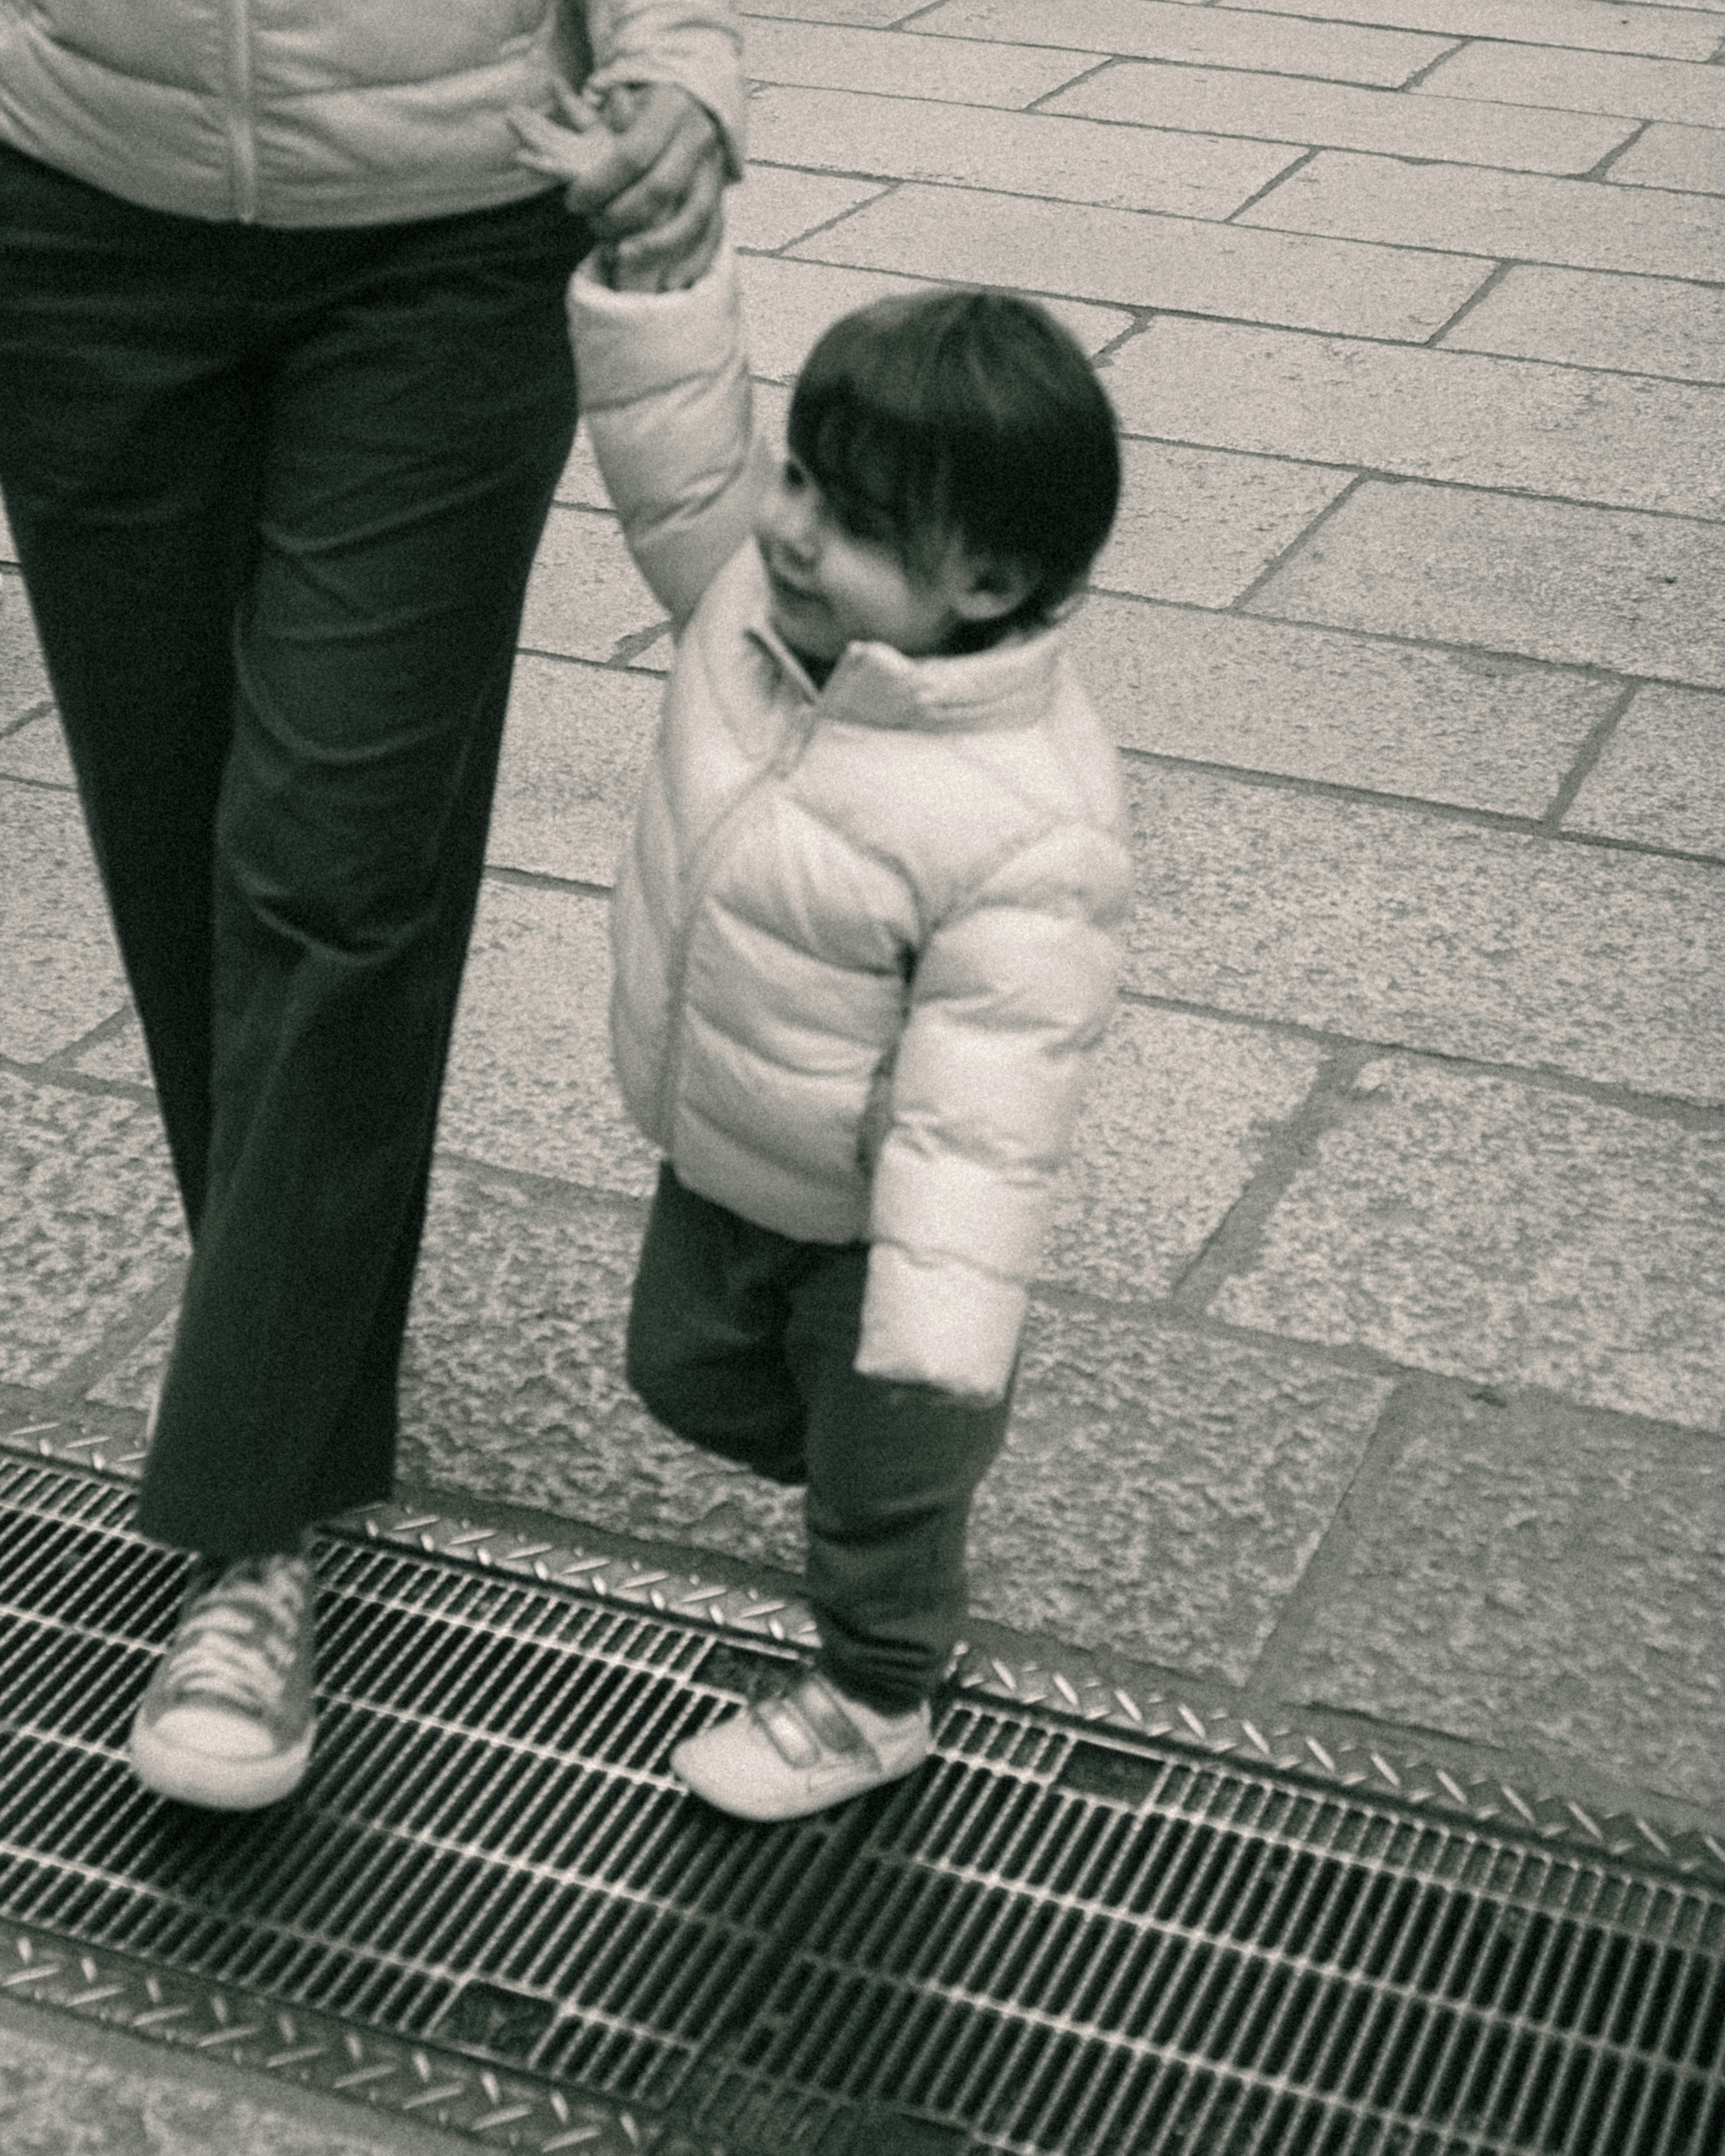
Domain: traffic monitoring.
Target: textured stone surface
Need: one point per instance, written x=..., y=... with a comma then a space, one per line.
x=1645, y=324
x=1522, y=215
x=828, y=57
x=36, y=750
x=1309, y=703
x=573, y=752
x=1672, y=33
x=1690, y=158
x=1180, y=1114
x=513, y=1385
x=1661, y=778
x=1201, y=528
x=1280, y=108
x=1188, y=174
x=117, y=1053
x=1588, y=587
x=1171, y=30
x=529, y=1083
x=1142, y=261
x=1507, y=424
x=774, y=206
x=1222, y=1464
x=60, y=970
x=1160, y=1493
x=1583, y=82
x=72, y=2087
x=585, y=595
x=867, y=14
x=1491, y=1230
x=1536, y=1575
x=787, y=305
x=1387, y=926
x=22, y=681
x=88, y=1221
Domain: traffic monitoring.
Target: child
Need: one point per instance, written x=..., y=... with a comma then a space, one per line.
x=864, y=939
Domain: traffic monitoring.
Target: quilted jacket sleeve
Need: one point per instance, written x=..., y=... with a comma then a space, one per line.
x=696, y=44
x=666, y=401
x=1007, y=999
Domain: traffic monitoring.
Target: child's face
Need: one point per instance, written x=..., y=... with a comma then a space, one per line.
x=831, y=588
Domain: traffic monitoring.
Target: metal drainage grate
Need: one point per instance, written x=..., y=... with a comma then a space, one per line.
x=493, y=1908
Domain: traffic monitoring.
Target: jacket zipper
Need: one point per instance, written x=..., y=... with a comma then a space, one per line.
x=785, y=760
x=241, y=133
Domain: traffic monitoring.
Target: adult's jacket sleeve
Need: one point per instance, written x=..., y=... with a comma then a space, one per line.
x=666, y=401
x=697, y=47
x=1007, y=998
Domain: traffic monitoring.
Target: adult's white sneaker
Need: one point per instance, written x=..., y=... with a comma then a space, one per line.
x=227, y=1720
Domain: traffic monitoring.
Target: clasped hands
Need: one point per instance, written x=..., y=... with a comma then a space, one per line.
x=644, y=166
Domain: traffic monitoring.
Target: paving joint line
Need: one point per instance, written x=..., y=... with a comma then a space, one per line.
x=1295, y=164
x=1586, y=760
x=1296, y=546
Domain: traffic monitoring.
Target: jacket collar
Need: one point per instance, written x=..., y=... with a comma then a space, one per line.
x=1010, y=684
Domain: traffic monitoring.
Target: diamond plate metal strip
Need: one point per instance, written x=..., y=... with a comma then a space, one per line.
x=494, y=2107
x=1068, y=1688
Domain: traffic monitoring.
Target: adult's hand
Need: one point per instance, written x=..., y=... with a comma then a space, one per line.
x=649, y=182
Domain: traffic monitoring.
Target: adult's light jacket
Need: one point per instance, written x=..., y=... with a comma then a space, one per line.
x=300, y=113
x=864, y=937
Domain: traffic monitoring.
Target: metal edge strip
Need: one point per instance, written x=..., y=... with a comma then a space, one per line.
x=1068, y=1687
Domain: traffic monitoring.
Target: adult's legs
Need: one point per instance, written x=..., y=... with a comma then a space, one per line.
x=276, y=495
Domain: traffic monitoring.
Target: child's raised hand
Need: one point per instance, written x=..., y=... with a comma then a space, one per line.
x=579, y=151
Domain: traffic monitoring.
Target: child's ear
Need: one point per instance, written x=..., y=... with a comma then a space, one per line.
x=992, y=589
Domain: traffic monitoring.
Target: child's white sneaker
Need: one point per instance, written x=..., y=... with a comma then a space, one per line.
x=808, y=1746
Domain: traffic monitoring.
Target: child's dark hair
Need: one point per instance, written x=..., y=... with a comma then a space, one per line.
x=966, y=415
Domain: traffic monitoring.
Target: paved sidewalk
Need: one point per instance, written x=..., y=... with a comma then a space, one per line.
x=1377, y=1382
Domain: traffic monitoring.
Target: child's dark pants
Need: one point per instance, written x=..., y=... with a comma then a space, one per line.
x=743, y=1340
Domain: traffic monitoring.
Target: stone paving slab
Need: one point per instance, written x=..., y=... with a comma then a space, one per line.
x=575, y=749
x=1224, y=1463
x=776, y=204
x=37, y=751
x=1137, y=261
x=1505, y=424
x=1672, y=33
x=60, y=968
x=1347, y=711
x=1281, y=108
x=530, y=1084
x=1520, y=216
x=1587, y=318
x=1667, y=156
x=89, y=1222
x=1068, y=160
x=1582, y=82
x=824, y=56
x=864, y=14
x=1641, y=594
x=1534, y=1574
x=1235, y=1456
x=788, y=304
x=1202, y=527
x=1661, y=777
x=23, y=684
x=1384, y=924
x=585, y=595
x=1181, y=1114
x=1503, y=1232
x=1173, y=30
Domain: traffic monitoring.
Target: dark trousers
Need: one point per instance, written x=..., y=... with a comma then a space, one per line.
x=743, y=1340
x=276, y=494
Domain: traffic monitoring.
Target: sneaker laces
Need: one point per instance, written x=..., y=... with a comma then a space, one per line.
x=805, y=1721
x=238, y=1639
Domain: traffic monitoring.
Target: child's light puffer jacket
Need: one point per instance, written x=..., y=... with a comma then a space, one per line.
x=298, y=113
x=928, y=857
